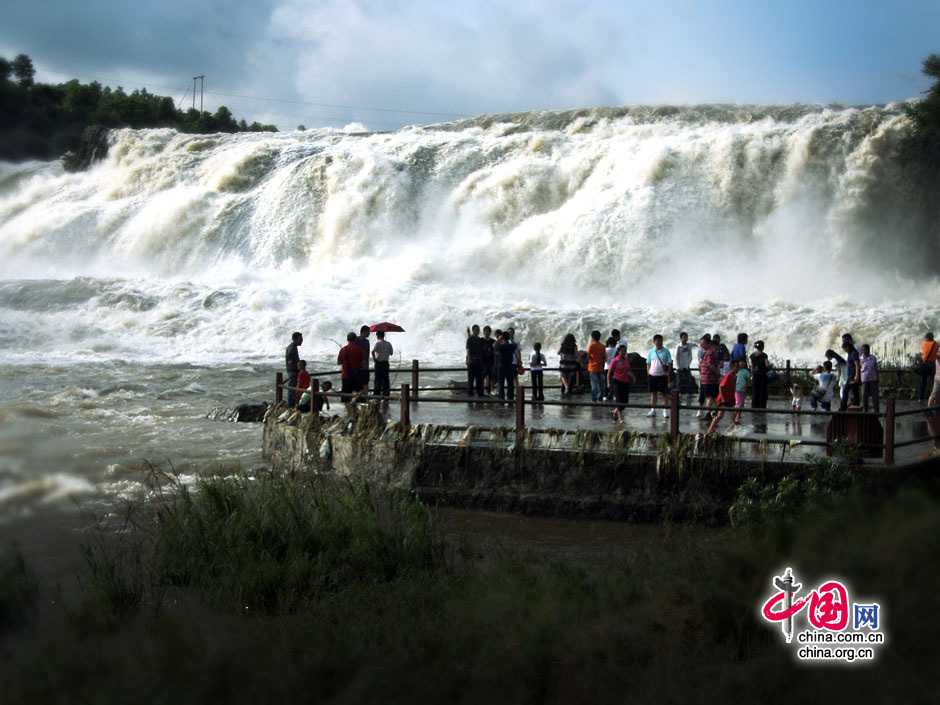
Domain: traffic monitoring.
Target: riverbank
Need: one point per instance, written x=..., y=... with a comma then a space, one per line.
x=261, y=590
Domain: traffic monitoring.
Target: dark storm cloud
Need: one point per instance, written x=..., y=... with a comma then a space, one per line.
x=166, y=41
x=477, y=56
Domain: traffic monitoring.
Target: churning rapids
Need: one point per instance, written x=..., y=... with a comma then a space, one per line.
x=167, y=278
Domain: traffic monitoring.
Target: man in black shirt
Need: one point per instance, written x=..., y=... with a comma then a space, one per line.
x=759, y=377
x=489, y=359
x=475, y=347
x=292, y=363
x=507, y=359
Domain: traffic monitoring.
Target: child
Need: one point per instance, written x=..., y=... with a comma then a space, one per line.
x=825, y=383
x=869, y=377
x=304, y=405
x=536, y=367
x=303, y=378
x=742, y=377
x=796, y=392
x=323, y=400
x=726, y=395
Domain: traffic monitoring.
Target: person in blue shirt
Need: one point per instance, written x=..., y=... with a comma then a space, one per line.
x=825, y=383
x=739, y=351
x=658, y=367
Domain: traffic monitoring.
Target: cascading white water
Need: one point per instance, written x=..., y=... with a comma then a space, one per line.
x=778, y=221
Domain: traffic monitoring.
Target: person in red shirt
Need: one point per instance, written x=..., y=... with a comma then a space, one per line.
x=303, y=378
x=350, y=362
x=709, y=375
x=726, y=390
x=597, y=356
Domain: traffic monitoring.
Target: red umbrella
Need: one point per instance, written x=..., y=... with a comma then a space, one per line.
x=386, y=327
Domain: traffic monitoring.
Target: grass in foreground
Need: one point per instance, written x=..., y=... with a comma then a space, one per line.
x=275, y=589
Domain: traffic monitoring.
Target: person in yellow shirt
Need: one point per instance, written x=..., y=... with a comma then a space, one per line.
x=597, y=358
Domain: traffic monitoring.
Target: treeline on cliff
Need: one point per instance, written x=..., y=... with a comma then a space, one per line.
x=920, y=153
x=43, y=121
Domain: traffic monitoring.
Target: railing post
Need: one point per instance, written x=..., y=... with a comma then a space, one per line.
x=314, y=393
x=414, y=380
x=405, y=407
x=674, y=415
x=520, y=414
x=889, y=432
x=786, y=379
x=279, y=388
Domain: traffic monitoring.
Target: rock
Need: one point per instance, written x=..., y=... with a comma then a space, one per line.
x=219, y=298
x=92, y=147
x=243, y=413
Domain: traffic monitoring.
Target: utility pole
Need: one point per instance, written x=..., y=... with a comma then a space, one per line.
x=202, y=91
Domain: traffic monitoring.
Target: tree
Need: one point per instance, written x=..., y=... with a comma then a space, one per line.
x=23, y=70
x=925, y=114
x=223, y=120
x=41, y=121
x=301, y=128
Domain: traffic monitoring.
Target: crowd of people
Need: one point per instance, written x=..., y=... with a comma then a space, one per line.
x=495, y=362
x=353, y=360
x=725, y=376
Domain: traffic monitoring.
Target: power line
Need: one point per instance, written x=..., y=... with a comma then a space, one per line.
x=106, y=79
x=342, y=107
x=306, y=115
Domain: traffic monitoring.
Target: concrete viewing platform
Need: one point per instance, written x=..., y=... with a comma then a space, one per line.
x=570, y=460
x=904, y=432
x=760, y=435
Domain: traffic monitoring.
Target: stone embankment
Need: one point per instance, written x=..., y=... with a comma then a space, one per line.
x=619, y=476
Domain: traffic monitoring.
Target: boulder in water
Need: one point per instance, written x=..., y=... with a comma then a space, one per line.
x=243, y=413
x=218, y=298
x=92, y=147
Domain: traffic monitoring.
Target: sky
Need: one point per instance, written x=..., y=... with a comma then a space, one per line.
x=388, y=64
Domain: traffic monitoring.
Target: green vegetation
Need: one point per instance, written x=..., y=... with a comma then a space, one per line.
x=920, y=151
x=279, y=589
x=925, y=114
x=277, y=545
x=42, y=121
x=821, y=487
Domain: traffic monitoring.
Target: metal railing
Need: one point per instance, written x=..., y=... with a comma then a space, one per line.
x=785, y=374
x=408, y=395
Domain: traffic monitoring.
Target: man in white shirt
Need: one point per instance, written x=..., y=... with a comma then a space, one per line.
x=381, y=353
x=684, y=367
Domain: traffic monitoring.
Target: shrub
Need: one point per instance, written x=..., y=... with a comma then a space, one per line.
x=18, y=590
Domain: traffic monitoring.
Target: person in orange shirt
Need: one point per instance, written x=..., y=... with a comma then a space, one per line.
x=597, y=359
x=928, y=365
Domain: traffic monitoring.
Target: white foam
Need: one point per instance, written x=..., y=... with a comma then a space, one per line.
x=213, y=248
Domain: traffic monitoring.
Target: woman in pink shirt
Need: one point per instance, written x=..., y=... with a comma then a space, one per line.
x=619, y=377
